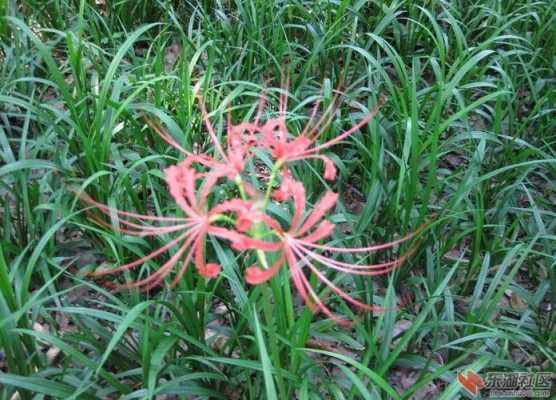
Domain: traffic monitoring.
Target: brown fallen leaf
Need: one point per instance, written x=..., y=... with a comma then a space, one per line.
x=517, y=302
x=329, y=346
x=171, y=56
x=51, y=351
x=400, y=327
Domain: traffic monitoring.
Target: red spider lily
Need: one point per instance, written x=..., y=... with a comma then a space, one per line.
x=193, y=229
x=198, y=224
x=274, y=135
x=245, y=221
x=298, y=246
x=231, y=161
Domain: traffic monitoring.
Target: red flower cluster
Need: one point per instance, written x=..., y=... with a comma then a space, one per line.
x=246, y=221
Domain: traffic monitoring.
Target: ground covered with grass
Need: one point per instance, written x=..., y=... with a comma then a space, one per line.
x=464, y=142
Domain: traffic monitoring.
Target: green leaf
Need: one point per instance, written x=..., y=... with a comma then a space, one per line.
x=26, y=164
x=40, y=385
x=270, y=388
x=130, y=317
x=373, y=376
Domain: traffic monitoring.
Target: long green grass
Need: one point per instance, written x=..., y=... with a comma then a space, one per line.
x=466, y=139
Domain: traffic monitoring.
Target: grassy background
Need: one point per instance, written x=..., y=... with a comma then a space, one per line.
x=467, y=135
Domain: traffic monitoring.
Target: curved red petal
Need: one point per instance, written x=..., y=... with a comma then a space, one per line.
x=329, y=169
x=325, y=204
x=210, y=271
x=325, y=229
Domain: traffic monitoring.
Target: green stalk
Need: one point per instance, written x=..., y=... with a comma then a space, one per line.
x=275, y=323
x=273, y=174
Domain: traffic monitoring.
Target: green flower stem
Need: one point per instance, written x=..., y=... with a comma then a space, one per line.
x=239, y=183
x=275, y=169
x=256, y=231
x=273, y=313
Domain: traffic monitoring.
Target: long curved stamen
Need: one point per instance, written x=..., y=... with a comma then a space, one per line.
x=358, y=269
x=311, y=117
x=296, y=275
x=360, y=249
x=328, y=260
x=142, y=260
x=159, y=275
x=316, y=131
x=342, y=136
x=165, y=136
x=108, y=210
x=334, y=288
x=319, y=304
x=142, y=230
x=166, y=229
x=260, y=107
x=329, y=166
x=183, y=268
x=324, y=120
x=210, y=129
x=305, y=157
